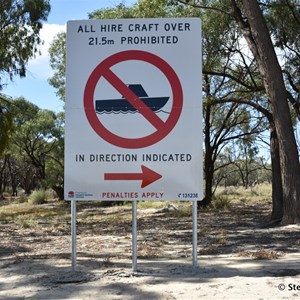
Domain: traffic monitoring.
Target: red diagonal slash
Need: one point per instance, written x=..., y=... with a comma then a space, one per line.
x=147, y=176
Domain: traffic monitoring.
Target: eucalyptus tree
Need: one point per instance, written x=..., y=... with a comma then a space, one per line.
x=37, y=145
x=260, y=43
x=20, y=24
x=230, y=84
x=243, y=156
x=228, y=124
x=55, y=159
x=253, y=20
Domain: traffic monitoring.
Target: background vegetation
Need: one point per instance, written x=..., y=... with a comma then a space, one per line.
x=251, y=86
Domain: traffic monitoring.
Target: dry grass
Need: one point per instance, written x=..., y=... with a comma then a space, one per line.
x=151, y=204
x=149, y=249
x=29, y=216
x=164, y=228
x=261, y=254
x=260, y=192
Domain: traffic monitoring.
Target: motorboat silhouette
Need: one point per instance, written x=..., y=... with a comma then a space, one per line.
x=122, y=105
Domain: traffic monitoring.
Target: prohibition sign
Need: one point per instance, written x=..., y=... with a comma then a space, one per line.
x=162, y=129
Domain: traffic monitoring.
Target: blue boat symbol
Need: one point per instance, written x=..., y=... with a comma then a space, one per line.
x=122, y=105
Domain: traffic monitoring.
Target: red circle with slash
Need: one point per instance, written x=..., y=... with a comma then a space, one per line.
x=163, y=128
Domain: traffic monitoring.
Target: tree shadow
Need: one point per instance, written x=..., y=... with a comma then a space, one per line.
x=118, y=280
x=107, y=269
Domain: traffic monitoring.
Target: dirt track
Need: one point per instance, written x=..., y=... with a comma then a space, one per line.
x=237, y=259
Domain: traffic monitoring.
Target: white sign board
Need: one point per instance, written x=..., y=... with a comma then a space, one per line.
x=133, y=110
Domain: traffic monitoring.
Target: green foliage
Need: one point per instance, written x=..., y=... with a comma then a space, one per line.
x=20, y=22
x=37, y=197
x=6, y=123
x=35, y=156
x=283, y=21
x=120, y=11
x=140, y=9
x=57, y=54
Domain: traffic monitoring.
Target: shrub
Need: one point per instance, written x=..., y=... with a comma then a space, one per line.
x=50, y=194
x=220, y=202
x=37, y=197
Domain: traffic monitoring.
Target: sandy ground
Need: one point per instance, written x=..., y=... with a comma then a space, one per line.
x=218, y=277
x=235, y=261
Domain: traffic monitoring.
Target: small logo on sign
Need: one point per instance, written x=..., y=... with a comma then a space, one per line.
x=79, y=195
x=71, y=194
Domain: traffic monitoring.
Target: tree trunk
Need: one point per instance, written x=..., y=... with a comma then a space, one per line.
x=209, y=176
x=208, y=163
x=59, y=191
x=3, y=163
x=259, y=40
x=12, y=174
x=277, y=191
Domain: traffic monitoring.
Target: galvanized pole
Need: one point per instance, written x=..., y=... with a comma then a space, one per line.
x=73, y=233
x=134, y=236
x=194, y=214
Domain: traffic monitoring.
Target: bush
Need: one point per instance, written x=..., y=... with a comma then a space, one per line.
x=50, y=194
x=37, y=197
x=221, y=202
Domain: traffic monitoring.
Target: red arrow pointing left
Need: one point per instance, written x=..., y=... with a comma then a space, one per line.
x=147, y=176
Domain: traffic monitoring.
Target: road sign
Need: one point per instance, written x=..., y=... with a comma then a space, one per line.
x=133, y=110
x=162, y=128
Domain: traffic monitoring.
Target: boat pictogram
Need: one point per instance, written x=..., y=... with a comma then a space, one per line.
x=122, y=105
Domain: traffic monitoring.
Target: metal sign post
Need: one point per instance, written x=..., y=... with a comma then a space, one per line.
x=194, y=215
x=73, y=233
x=134, y=236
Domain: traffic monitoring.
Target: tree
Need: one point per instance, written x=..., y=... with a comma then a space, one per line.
x=37, y=146
x=226, y=123
x=245, y=161
x=226, y=61
x=55, y=159
x=259, y=40
x=251, y=22
x=241, y=167
x=20, y=23
x=228, y=75
x=283, y=20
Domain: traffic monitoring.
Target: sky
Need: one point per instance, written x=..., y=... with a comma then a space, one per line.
x=35, y=87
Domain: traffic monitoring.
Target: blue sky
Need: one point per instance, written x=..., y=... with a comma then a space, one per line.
x=35, y=87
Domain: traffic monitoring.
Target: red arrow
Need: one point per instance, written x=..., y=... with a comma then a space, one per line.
x=147, y=176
